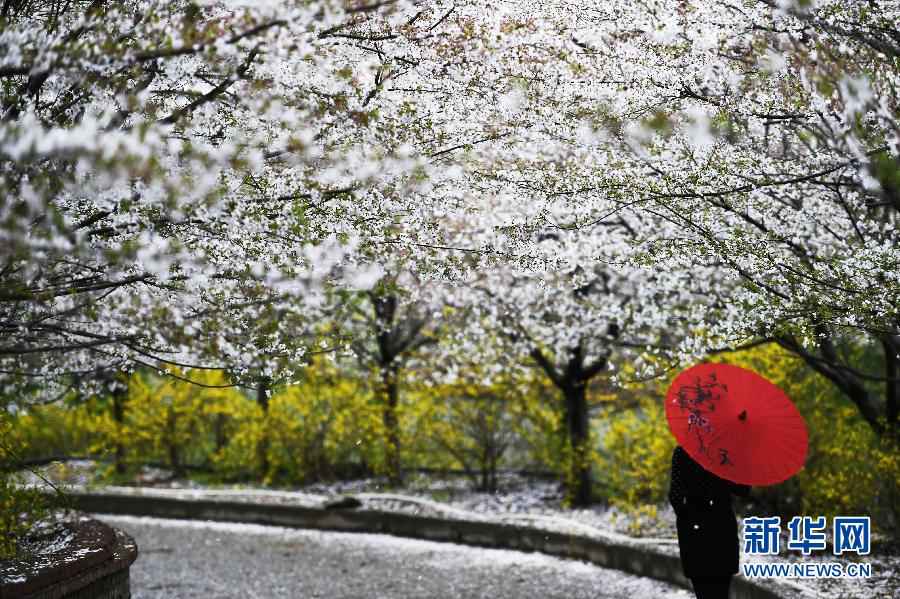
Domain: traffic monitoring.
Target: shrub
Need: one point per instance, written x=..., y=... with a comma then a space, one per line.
x=322, y=428
x=466, y=425
x=55, y=430
x=20, y=507
x=637, y=455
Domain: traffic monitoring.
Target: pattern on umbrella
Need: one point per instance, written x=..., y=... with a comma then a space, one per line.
x=699, y=399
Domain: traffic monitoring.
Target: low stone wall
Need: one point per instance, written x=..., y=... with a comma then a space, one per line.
x=638, y=560
x=93, y=564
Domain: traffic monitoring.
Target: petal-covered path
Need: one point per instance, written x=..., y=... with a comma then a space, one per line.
x=216, y=561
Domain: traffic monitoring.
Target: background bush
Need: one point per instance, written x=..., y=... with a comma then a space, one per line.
x=329, y=426
x=20, y=506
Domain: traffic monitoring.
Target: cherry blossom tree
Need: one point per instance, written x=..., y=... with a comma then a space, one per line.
x=755, y=145
x=579, y=326
x=181, y=180
x=174, y=180
x=770, y=140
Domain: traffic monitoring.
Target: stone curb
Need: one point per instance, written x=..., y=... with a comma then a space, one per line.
x=641, y=561
x=95, y=565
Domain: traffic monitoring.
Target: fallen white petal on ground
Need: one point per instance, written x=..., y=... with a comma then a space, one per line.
x=521, y=500
x=183, y=558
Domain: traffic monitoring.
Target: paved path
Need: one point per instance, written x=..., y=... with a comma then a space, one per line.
x=187, y=559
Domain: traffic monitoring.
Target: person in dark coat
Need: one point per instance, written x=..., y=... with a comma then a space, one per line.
x=707, y=527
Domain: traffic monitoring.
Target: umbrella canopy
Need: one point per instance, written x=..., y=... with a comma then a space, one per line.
x=736, y=424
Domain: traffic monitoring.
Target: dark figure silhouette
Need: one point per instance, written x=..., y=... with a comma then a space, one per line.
x=707, y=528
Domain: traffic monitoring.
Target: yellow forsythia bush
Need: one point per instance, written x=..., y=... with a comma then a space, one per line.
x=637, y=455
x=538, y=417
x=635, y=449
x=467, y=425
x=20, y=507
x=165, y=421
x=322, y=427
x=55, y=430
x=324, y=424
x=538, y=420
x=170, y=421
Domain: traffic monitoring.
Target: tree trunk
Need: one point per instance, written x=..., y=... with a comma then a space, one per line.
x=484, y=466
x=572, y=381
x=494, y=483
x=119, y=397
x=492, y=469
x=578, y=435
x=396, y=338
x=262, y=446
x=172, y=444
x=892, y=387
x=391, y=423
x=219, y=431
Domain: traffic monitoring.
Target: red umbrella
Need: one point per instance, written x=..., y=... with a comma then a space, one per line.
x=736, y=424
